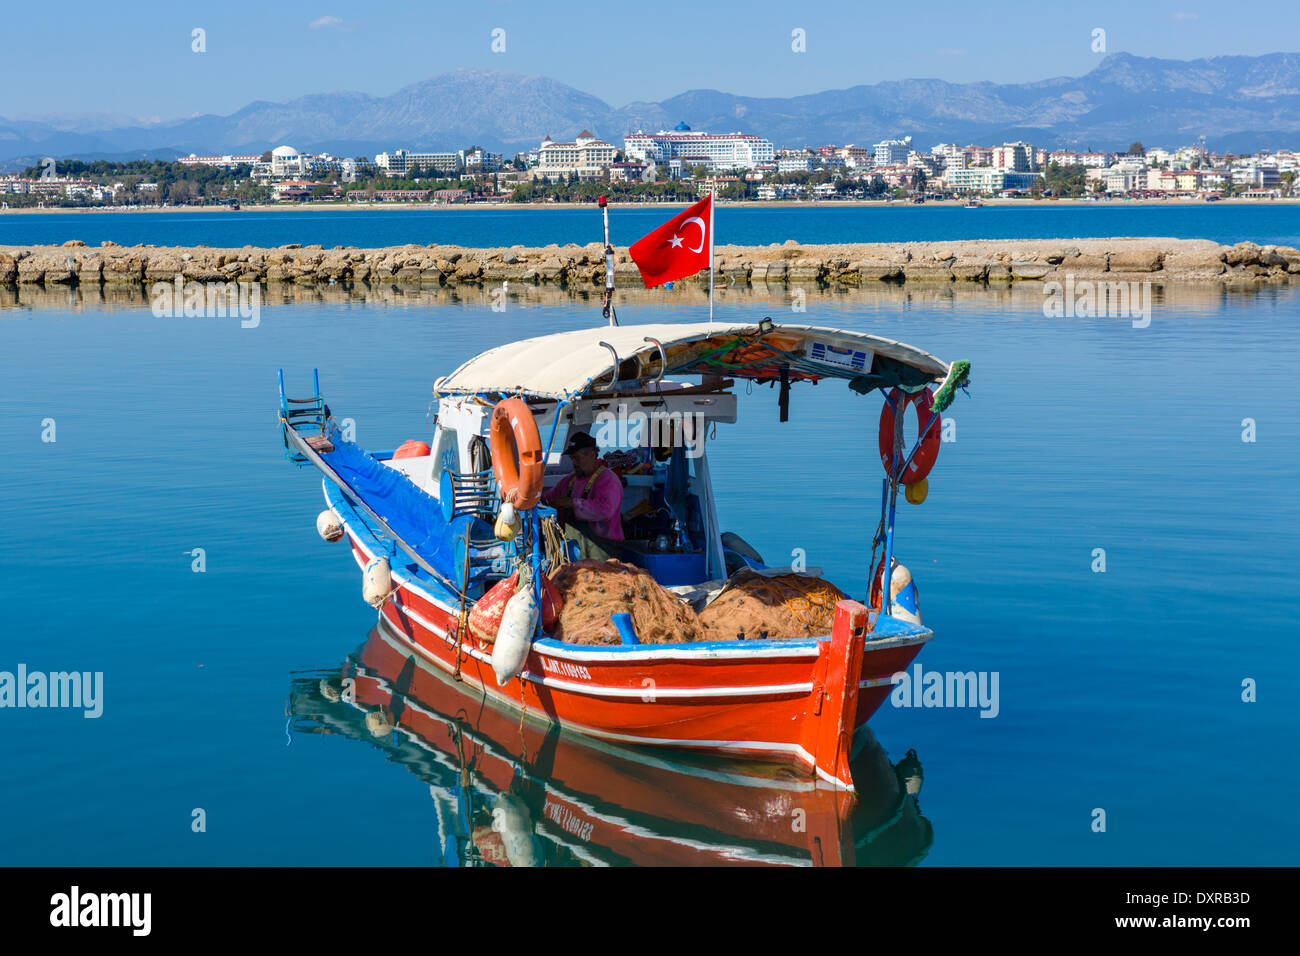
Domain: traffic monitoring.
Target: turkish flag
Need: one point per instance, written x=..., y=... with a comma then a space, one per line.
x=680, y=247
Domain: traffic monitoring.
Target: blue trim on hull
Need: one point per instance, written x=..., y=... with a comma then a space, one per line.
x=378, y=542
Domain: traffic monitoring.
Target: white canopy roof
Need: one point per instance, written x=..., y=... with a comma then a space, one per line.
x=567, y=363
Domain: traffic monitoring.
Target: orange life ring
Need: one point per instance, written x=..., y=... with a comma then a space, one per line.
x=928, y=453
x=517, y=453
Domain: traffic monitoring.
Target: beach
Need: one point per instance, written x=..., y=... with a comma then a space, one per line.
x=722, y=203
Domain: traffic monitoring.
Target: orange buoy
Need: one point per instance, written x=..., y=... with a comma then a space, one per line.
x=412, y=449
x=928, y=453
x=517, y=457
x=485, y=618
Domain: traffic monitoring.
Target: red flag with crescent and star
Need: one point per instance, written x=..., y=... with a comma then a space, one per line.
x=680, y=247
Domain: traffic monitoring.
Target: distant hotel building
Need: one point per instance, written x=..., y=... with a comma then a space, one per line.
x=855, y=157
x=986, y=179
x=478, y=160
x=717, y=151
x=286, y=163
x=400, y=162
x=627, y=172
x=225, y=162
x=892, y=152
x=795, y=164
x=1015, y=158
x=1087, y=160
x=586, y=158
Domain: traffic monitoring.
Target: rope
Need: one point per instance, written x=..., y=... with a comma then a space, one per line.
x=387, y=597
x=553, y=544
x=462, y=619
x=523, y=711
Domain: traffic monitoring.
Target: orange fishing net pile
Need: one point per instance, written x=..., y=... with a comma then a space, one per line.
x=754, y=607
x=594, y=591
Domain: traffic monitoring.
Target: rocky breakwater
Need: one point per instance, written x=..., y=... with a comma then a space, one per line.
x=985, y=261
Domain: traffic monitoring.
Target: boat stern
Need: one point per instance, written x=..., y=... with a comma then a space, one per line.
x=832, y=716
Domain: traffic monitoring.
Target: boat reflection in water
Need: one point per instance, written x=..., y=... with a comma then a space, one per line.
x=512, y=792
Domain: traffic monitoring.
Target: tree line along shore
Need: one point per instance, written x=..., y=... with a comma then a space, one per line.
x=1157, y=260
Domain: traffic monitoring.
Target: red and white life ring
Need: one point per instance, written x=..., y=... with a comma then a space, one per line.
x=928, y=453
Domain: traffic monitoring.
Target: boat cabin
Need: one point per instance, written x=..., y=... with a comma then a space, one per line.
x=654, y=438
x=651, y=396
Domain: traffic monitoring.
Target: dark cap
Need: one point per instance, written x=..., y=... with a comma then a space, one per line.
x=579, y=441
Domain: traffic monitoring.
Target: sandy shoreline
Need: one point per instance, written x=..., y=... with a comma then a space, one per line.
x=745, y=204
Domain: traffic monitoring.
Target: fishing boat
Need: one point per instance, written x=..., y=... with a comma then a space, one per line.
x=459, y=550
x=506, y=795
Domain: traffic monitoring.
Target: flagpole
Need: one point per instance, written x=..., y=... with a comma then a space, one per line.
x=711, y=204
x=608, y=309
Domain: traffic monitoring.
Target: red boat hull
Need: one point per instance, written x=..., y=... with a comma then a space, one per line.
x=608, y=804
x=800, y=703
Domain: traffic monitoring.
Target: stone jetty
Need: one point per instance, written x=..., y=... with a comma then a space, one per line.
x=975, y=262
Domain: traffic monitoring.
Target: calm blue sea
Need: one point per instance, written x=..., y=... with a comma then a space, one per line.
x=481, y=228
x=1119, y=691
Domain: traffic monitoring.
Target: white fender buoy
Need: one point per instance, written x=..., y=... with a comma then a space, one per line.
x=909, y=769
x=378, y=724
x=904, y=598
x=510, y=818
x=507, y=525
x=376, y=582
x=515, y=635
x=329, y=526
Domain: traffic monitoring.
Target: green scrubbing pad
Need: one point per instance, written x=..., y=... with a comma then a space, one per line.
x=958, y=376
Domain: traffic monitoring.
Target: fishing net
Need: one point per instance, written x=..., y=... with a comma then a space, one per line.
x=782, y=607
x=594, y=591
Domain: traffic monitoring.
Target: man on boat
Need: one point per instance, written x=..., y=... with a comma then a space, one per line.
x=590, y=501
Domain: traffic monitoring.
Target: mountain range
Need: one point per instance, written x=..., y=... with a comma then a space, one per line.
x=1239, y=103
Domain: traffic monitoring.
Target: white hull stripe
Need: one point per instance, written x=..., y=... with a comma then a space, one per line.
x=619, y=657
x=647, y=694
x=615, y=657
x=398, y=642
x=875, y=682
x=733, y=746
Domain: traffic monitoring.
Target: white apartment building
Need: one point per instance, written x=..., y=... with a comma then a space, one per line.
x=1255, y=176
x=479, y=160
x=1014, y=158
x=400, y=162
x=795, y=164
x=473, y=160
x=226, y=162
x=855, y=157
x=1125, y=177
x=892, y=152
x=718, y=151
x=1065, y=157
x=586, y=157
x=933, y=165
x=986, y=179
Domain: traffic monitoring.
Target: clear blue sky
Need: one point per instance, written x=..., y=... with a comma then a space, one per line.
x=82, y=57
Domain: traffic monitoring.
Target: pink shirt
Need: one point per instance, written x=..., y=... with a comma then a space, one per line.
x=601, y=507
